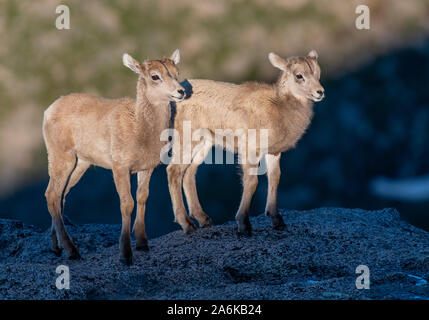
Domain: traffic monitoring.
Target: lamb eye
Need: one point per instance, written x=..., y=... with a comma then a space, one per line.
x=299, y=76
x=155, y=77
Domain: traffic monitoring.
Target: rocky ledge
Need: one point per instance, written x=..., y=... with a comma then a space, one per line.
x=315, y=257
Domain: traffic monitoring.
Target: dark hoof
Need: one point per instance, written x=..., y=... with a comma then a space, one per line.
x=190, y=228
x=57, y=251
x=244, y=227
x=126, y=260
x=244, y=230
x=143, y=246
x=206, y=224
x=277, y=222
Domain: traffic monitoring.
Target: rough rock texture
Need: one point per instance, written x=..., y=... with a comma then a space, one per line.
x=314, y=258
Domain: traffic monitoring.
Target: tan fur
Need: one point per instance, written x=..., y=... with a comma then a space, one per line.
x=285, y=109
x=122, y=134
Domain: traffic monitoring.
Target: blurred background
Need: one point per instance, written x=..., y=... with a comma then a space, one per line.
x=367, y=147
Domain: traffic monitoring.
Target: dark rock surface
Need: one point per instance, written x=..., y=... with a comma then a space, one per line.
x=314, y=258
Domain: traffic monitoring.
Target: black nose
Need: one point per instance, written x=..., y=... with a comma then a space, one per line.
x=320, y=92
x=182, y=92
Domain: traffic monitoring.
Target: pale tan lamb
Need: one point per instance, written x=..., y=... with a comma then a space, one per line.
x=123, y=135
x=284, y=109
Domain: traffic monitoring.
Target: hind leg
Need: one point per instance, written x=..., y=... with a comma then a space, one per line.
x=55, y=245
x=60, y=169
x=77, y=173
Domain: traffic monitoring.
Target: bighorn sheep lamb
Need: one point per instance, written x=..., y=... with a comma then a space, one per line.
x=122, y=135
x=284, y=109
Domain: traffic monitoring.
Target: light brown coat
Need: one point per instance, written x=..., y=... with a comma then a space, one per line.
x=121, y=134
x=284, y=109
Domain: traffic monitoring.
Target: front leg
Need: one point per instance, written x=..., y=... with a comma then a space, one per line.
x=121, y=176
x=273, y=173
x=175, y=174
x=190, y=187
x=139, y=230
x=250, y=182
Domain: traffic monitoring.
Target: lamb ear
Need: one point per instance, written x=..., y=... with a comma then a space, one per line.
x=277, y=61
x=175, y=56
x=313, y=54
x=132, y=63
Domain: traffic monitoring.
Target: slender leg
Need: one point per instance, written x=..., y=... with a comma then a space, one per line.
x=250, y=182
x=61, y=167
x=175, y=177
x=175, y=171
x=56, y=249
x=122, y=181
x=189, y=186
x=77, y=173
x=273, y=173
x=139, y=230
